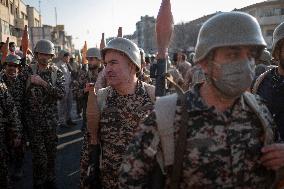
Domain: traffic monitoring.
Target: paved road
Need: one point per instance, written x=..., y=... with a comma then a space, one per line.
x=67, y=162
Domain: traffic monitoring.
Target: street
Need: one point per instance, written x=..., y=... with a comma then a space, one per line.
x=67, y=162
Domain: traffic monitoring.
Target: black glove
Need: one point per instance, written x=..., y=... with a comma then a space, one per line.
x=93, y=175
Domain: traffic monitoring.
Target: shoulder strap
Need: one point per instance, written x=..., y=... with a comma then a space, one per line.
x=34, y=68
x=253, y=104
x=259, y=81
x=180, y=144
x=165, y=108
x=34, y=71
x=54, y=74
x=151, y=91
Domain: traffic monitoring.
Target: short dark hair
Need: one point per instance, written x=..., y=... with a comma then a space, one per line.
x=11, y=44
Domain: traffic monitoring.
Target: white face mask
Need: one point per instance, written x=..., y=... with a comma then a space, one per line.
x=235, y=77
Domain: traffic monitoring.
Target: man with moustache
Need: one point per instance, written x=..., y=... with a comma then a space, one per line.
x=123, y=104
x=270, y=85
x=44, y=87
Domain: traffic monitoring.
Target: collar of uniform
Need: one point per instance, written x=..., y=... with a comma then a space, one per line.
x=139, y=89
x=194, y=102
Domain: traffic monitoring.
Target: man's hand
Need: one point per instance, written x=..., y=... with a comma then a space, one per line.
x=89, y=87
x=273, y=156
x=37, y=80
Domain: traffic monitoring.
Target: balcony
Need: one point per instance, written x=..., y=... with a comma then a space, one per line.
x=20, y=23
x=271, y=20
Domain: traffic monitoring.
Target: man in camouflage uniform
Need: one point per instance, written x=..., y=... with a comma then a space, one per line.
x=222, y=135
x=9, y=123
x=144, y=74
x=88, y=76
x=127, y=100
x=182, y=64
x=65, y=104
x=44, y=87
x=16, y=89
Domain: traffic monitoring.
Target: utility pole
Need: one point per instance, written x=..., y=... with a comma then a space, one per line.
x=55, y=16
x=39, y=9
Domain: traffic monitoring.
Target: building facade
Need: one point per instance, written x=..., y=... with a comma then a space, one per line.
x=14, y=15
x=145, y=34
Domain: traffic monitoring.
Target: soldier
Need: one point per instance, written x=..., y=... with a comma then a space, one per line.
x=44, y=87
x=216, y=127
x=124, y=103
x=16, y=89
x=65, y=104
x=87, y=77
x=143, y=75
x=9, y=123
x=182, y=64
x=270, y=85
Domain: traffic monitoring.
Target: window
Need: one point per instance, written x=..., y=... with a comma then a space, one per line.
x=269, y=32
x=11, y=8
x=5, y=27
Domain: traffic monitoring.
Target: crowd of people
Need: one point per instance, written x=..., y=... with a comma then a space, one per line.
x=219, y=126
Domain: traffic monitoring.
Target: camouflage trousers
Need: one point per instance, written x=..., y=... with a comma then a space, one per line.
x=84, y=161
x=43, y=143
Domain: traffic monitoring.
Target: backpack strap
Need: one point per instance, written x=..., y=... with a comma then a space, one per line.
x=165, y=108
x=259, y=81
x=262, y=116
x=268, y=133
x=150, y=89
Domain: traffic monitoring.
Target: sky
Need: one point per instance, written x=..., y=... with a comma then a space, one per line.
x=86, y=20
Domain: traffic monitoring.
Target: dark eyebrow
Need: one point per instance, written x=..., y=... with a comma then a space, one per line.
x=112, y=61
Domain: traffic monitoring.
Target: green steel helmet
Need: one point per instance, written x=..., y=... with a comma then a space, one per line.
x=44, y=46
x=265, y=56
x=127, y=47
x=228, y=29
x=94, y=52
x=14, y=59
x=278, y=35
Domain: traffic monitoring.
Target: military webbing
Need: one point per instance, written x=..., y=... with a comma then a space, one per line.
x=258, y=81
x=268, y=135
x=181, y=143
x=34, y=70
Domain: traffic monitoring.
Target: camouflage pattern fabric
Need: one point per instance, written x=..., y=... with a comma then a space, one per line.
x=16, y=88
x=84, y=77
x=9, y=119
x=42, y=118
x=223, y=149
x=119, y=120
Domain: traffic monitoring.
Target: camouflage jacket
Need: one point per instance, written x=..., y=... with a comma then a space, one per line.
x=9, y=117
x=85, y=76
x=41, y=102
x=119, y=120
x=16, y=88
x=223, y=149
